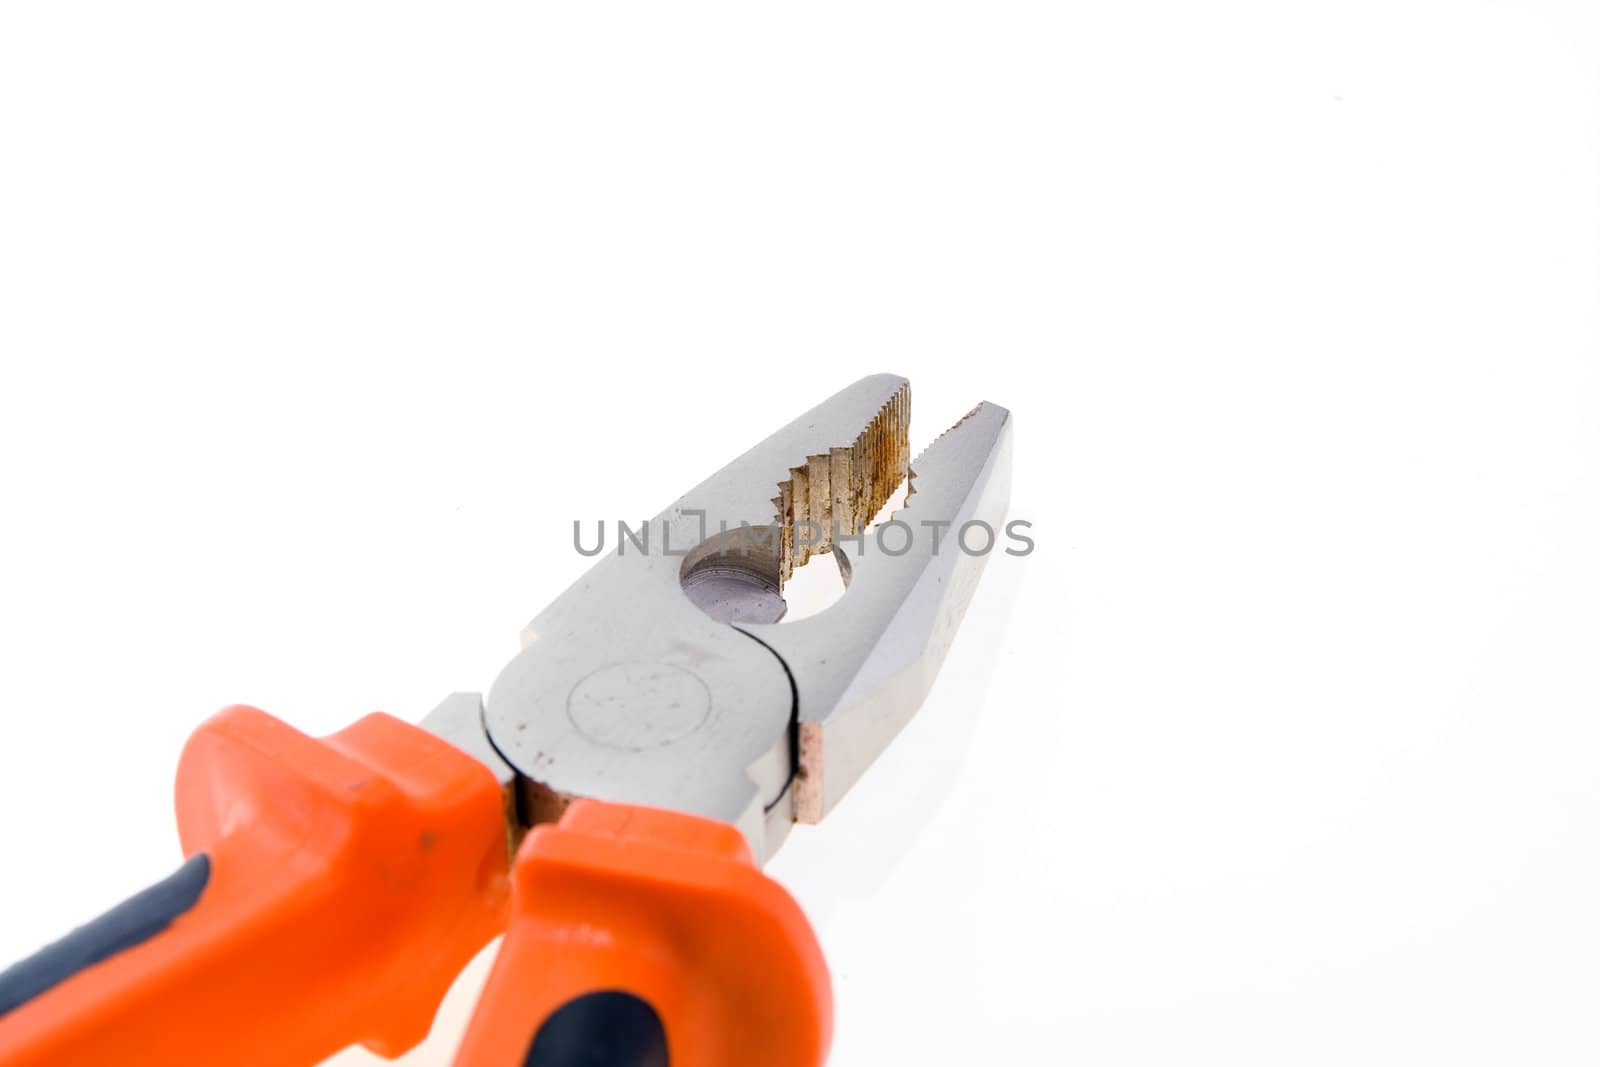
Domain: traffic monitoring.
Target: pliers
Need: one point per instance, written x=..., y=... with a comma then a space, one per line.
x=606, y=806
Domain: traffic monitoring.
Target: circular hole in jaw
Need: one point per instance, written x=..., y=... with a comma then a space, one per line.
x=734, y=577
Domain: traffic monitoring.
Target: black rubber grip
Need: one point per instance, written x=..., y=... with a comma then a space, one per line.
x=130, y=923
x=608, y=1029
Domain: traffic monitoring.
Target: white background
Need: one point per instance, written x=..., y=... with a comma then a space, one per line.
x=321, y=322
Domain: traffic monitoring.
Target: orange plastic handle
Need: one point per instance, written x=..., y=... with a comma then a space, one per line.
x=350, y=879
x=616, y=908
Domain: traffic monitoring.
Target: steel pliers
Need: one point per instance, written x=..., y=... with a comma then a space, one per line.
x=606, y=806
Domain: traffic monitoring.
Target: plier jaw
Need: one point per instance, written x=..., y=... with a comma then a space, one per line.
x=664, y=677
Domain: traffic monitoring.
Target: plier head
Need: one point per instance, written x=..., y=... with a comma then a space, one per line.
x=665, y=676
